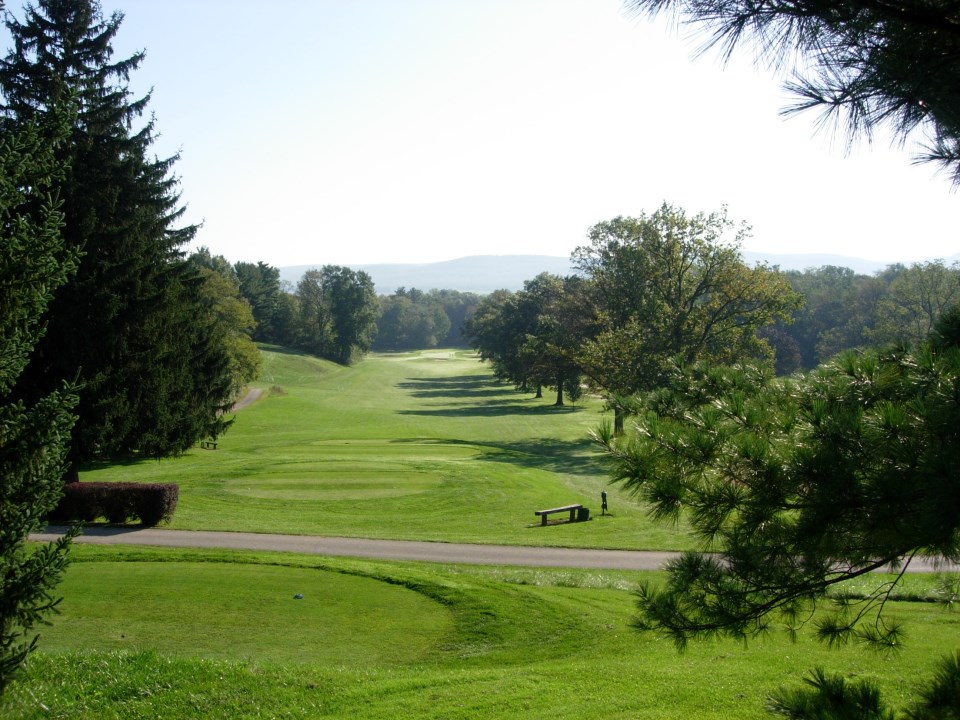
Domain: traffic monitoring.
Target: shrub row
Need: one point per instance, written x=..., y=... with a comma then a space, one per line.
x=117, y=502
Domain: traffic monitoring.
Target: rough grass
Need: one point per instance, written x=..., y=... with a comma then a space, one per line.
x=424, y=446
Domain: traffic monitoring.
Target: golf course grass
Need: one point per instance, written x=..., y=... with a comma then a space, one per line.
x=420, y=446
x=423, y=446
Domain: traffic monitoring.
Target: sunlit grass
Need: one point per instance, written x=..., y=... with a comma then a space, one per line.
x=221, y=635
x=266, y=613
x=424, y=446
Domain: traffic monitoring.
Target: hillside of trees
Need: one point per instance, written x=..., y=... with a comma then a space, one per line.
x=333, y=312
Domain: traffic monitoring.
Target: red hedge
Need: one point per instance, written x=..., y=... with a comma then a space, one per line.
x=117, y=502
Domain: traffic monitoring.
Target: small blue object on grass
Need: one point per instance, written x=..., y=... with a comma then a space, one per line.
x=298, y=596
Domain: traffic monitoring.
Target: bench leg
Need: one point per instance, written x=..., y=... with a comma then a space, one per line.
x=573, y=515
x=543, y=519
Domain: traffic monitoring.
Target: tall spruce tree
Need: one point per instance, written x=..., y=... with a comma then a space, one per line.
x=260, y=286
x=154, y=377
x=33, y=437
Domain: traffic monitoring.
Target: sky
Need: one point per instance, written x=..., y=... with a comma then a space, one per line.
x=413, y=131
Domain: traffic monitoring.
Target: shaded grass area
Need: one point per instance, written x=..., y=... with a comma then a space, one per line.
x=475, y=642
x=425, y=446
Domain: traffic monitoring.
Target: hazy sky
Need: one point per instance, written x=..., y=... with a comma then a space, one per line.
x=362, y=131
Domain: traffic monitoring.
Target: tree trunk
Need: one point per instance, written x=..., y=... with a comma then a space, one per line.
x=559, y=402
x=539, y=392
x=617, y=420
x=72, y=474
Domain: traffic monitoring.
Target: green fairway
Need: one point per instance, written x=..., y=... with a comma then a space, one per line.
x=245, y=611
x=418, y=446
x=159, y=633
x=424, y=446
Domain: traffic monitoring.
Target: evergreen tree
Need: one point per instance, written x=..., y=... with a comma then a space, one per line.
x=794, y=486
x=260, y=285
x=33, y=437
x=865, y=62
x=154, y=378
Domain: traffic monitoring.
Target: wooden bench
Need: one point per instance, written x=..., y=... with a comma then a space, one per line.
x=572, y=509
x=208, y=444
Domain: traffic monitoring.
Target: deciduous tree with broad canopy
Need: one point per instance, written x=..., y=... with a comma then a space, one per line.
x=338, y=312
x=532, y=337
x=226, y=308
x=671, y=285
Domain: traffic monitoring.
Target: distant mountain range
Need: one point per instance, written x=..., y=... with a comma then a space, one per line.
x=485, y=273
x=478, y=273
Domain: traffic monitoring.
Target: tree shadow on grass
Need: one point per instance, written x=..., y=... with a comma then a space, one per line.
x=446, y=393
x=284, y=350
x=93, y=465
x=454, y=386
x=474, y=395
x=570, y=457
x=104, y=464
x=493, y=409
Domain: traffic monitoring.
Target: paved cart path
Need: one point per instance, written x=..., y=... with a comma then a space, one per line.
x=253, y=394
x=439, y=552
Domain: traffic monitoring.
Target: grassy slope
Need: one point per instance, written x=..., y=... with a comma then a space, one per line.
x=422, y=641
x=418, y=446
x=421, y=446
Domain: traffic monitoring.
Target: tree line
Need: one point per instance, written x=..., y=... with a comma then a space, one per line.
x=843, y=464
x=532, y=335
x=655, y=287
x=333, y=311
x=844, y=310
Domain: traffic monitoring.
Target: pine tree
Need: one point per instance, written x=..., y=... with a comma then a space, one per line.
x=33, y=437
x=793, y=486
x=863, y=63
x=260, y=285
x=155, y=378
